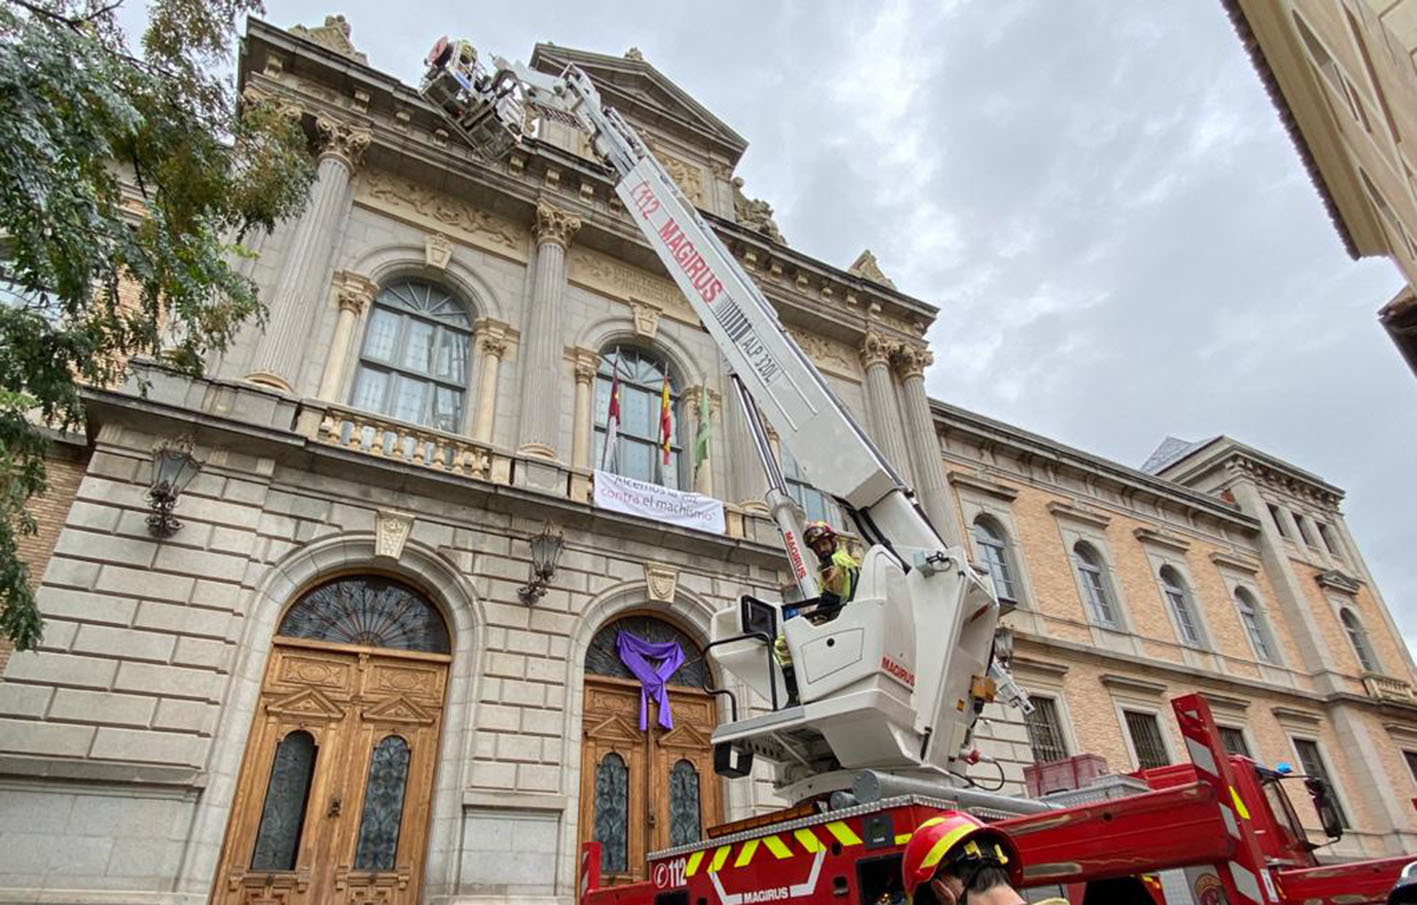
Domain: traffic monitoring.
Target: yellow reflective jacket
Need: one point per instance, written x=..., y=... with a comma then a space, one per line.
x=839, y=574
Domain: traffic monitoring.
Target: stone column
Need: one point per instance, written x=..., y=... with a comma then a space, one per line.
x=286, y=343
x=585, y=362
x=491, y=338
x=930, y=484
x=747, y=485
x=353, y=294
x=541, y=359
x=883, y=412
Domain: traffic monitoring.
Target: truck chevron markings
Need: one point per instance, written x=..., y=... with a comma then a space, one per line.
x=806, y=838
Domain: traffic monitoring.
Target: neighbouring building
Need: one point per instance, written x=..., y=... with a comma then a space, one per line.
x=1343, y=75
x=334, y=682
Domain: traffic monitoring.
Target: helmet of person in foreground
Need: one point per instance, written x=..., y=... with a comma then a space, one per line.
x=955, y=838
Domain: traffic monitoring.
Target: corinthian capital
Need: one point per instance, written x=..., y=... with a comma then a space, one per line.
x=875, y=349
x=555, y=225
x=354, y=291
x=911, y=361
x=342, y=140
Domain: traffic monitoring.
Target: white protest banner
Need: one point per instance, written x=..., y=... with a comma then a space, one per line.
x=676, y=507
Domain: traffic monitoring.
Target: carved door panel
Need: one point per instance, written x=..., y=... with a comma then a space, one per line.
x=632, y=801
x=332, y=802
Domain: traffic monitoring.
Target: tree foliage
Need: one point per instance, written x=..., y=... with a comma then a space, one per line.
x=128, y=180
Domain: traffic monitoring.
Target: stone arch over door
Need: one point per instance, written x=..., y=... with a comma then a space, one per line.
x=333, y=797
x=644, y=789
x=423, y=568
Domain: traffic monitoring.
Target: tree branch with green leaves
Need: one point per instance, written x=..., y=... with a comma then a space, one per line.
x=129, y=178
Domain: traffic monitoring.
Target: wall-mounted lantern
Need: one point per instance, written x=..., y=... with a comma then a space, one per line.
x=174, y=467
x=545, y=551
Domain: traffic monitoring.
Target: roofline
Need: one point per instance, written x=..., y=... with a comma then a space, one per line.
x=1269, y=461
x=1246, y=34
x=1091, y=462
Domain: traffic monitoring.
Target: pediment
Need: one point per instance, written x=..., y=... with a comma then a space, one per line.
x=398, y=710
x=614, y=728
x=645, y=96
x=685, y=738
x=309, y=703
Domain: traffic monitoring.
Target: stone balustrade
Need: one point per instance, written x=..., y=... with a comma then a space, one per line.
x=399, y=441
x=1386, y=688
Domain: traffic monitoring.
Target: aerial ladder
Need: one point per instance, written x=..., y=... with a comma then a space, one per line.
x=892, y=682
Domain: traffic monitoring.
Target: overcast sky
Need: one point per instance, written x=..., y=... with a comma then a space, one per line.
x=1098, y=196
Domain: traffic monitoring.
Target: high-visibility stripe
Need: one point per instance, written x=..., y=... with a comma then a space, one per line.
x=719, y=856
x=902, y=838
x=945, y=843
x=778, y=848
x=746, y=853
x=809, y=841
x=694, y=860
x=1240, y=808
x=931, y=822
x=843, y=833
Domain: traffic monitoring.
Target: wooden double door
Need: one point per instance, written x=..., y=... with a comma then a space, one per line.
x=333, y=800
x=642, y=791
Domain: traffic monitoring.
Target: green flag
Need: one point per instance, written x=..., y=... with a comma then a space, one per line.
x=701, y=436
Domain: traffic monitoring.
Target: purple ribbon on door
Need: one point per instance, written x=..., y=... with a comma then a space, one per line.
x=636, y=653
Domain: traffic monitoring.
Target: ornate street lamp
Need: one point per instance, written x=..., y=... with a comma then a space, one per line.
x=545, y=551
x=173, y=469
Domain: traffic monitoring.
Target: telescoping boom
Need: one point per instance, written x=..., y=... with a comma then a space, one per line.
x=895, y=680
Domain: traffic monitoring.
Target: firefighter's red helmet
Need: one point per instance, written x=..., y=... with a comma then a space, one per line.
x=816, y=531
x=953, y=836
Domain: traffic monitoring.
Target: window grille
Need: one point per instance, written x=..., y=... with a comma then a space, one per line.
x=1146, y=739
x=1045, y=731
x=1233, y=740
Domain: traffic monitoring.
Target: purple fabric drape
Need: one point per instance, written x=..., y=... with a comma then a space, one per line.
x=636, y=653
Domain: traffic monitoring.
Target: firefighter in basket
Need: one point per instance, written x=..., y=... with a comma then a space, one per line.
x=956, y=859
x=837, y=574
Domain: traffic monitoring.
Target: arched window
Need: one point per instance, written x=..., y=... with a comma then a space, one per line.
x=603, y=658
x=415, y=361
x=994, y=549
x=383, y=805
x=612, y=813
x=287, y=794
x=1178, y=598
x=1100, y=606
x=638, y=453
x=1255, y=626
x=370, y=611
x=684, y=818
x=817, y=505
x=1358, y=637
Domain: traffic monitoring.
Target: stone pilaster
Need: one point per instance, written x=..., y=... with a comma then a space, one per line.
x=353, y=293
x=541, y=335
x=585, y=363
x=493, y=338
x=883, y=411
x=299, y=285
x=747, y=485
x=930, y=484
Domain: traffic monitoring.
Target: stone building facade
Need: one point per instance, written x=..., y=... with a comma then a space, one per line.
x=1343, y=75
x=330, y=682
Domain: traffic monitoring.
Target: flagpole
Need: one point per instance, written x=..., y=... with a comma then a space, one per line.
x=612, y=418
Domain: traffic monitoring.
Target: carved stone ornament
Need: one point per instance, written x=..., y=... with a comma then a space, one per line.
x=661, y=582
x=287, y=108
x=341, y=140
x=754, y=213
x=399, y=193
x=876, y=350
x=493, y=337
x=634, y=54
x=585, y=362
x=391, y=530
x=686, y=175
x=437, y=250
x=911, y=361
x=334, y=35
x=353, y=291
x=646, y=318
x=555, y=225
x=866, y=266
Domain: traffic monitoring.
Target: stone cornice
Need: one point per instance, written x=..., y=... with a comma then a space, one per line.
x=983, y=485
x=1238, y=563
x=1079, y=514
x=1337, y=581
x=1294, y=717
x=1132, y=684
x=1162, y=539
x=1049, y=668
x=1220, y=701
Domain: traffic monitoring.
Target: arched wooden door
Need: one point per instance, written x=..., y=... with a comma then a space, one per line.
x=642, y=791
x=333, y=800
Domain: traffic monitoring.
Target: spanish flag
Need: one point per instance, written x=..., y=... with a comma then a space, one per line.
x=664, y=427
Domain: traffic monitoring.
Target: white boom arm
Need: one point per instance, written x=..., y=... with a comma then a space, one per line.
x=894, y=681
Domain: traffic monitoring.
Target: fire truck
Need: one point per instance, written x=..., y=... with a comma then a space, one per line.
x=872, y=730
